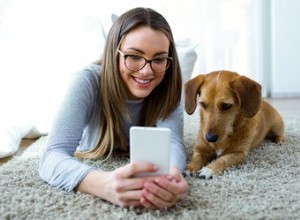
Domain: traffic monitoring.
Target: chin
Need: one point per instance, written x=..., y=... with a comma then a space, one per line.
x=139, y=95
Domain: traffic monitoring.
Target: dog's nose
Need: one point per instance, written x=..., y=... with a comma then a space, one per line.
x=210, y=137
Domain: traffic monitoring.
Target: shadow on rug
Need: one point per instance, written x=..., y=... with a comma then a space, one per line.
x=266, y=186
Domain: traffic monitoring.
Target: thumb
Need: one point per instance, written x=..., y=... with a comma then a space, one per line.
x=175, y=174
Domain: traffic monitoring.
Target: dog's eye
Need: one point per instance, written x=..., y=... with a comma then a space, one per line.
x=203, y=105
x=226, y=106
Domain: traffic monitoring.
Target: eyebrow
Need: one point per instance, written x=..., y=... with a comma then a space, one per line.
x=142, y=52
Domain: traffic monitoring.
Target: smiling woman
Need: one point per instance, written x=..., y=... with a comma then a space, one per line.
x=140, y=78
x=50, y=50
x=42, y=51
x=110, y=98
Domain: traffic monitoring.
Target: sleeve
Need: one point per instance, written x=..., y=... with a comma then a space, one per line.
x=175, y=123
x=57, y=165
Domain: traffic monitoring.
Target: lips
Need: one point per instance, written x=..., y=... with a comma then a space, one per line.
x=142, y=81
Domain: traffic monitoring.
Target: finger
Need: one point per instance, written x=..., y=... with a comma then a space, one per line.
x=175, y=174
x=134, y=203
x=147, y=204
x=135, y=168
x=167, y=184
x=129, y=184
x=159, y=191
x=130, y=198
x=178, y=190
x=133, y=183
x=174, y=187
x=156, y=201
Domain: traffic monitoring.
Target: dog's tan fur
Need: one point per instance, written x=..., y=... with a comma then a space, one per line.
x=233, y=120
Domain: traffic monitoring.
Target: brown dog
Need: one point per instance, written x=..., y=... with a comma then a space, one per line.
x=233, y=120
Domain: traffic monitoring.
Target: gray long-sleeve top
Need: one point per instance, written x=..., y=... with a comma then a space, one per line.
x=76, y=127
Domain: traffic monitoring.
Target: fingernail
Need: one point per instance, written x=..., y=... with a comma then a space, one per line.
x=170, y=177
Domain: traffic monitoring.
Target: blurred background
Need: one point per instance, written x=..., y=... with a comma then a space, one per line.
x=43, y=42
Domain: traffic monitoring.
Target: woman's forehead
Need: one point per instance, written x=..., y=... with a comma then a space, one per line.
x=146, y=39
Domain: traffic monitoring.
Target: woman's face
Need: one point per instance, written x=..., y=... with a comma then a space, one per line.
x=148, y=43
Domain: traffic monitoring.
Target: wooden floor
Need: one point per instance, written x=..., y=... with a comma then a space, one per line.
x=23, y=146
x=287, y=105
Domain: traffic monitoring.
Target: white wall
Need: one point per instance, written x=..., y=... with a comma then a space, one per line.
x=42, y=42
x=285, y=48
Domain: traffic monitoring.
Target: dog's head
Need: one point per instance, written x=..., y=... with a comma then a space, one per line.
x=224, y=98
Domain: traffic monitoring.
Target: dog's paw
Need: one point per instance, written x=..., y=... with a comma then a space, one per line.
x=206, y=173
x=279, y=140
x=188, y=173
x=193, y=167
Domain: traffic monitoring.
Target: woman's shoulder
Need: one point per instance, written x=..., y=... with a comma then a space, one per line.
x=84, y=83
x=89, y=71
x=88, y=76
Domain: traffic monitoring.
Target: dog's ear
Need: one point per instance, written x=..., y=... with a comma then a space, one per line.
x=192, y=89
x=249, y=95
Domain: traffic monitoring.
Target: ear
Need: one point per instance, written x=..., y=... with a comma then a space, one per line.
x=249, y=95
x=192, y=89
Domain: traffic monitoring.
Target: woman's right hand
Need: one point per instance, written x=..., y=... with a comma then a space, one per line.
x=118, y=186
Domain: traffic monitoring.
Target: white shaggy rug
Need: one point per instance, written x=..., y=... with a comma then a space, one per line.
x=266, y=186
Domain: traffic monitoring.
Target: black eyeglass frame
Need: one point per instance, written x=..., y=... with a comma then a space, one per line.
x=125, y=55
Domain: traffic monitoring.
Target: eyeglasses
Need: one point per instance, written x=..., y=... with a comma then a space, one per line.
x=135, y=62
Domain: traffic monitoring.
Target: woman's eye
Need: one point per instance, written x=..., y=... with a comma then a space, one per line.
x=159, y=60
x=134, y=57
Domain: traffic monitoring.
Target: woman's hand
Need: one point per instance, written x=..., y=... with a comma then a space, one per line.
x=164, y=191
x=119, y=186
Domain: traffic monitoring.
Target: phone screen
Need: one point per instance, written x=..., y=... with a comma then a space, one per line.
x=151, y=144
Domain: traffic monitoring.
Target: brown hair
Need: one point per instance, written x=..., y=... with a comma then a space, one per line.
x=158, y=105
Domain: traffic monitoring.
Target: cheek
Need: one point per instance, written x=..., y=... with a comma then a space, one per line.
x=122, y=67
x=124, y=72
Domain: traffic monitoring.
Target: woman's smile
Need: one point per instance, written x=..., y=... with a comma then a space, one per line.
x=142, y=81
x=147, y=43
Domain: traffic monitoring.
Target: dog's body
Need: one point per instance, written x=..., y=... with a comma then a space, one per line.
x=233, y=120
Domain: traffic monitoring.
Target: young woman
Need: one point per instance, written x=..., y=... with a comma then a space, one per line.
x=137, y=82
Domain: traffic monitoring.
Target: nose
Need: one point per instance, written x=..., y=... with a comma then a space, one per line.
x=146, y=69
x=211, y=137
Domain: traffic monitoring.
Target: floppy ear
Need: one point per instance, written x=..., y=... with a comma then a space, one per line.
x=249, y=95
x=192, y=89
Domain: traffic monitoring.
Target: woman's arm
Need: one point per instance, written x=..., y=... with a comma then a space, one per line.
x=175, y=123
x=57, y=165
x=118, y=186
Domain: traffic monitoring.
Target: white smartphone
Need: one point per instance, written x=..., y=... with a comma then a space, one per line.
x=151, y=144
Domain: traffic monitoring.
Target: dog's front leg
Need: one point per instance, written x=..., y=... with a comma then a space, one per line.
x=201, y=156
x=223, y=162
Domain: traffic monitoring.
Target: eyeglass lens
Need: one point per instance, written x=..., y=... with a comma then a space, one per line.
x=135, y=62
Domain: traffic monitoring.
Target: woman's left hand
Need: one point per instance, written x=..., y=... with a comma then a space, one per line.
x=165, y=190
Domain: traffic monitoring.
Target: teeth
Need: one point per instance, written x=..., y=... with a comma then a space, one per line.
x=143, y=81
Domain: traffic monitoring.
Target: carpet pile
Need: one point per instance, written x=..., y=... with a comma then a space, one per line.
x=266, y=186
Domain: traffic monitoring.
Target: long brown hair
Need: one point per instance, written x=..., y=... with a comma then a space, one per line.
x=158, y=105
